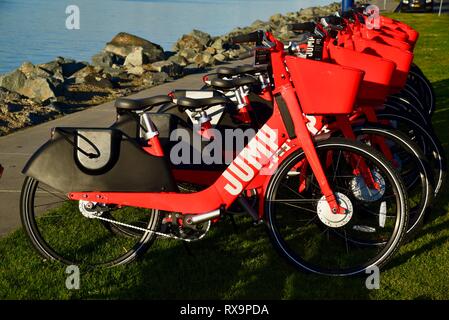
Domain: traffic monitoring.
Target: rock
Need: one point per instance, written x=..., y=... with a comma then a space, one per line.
x=178, y=60
x=90, y=76
x=8, y=96
x=154, y=79
x=203, y=59
x=106, y=59
x=124, y=43
x=97, y=80
x=38, y=89
x=284, y=33
x=210, y=50
x=259, y=23
x=32, y=71
x=188, y=54
x=161, y=77
x=136, y=58
x=135, y=70
x=220, y=44
x=80, y=76
x=195, y=40
x=201, y=36
x=276, y=19
x=188, y=42
x=62, y=67
x=173, y=69
x=71, y=67
x=208, y=59
x=220, y=57
x=115, y=73
x=307, y=13
x=233, y=54
x=26, y=67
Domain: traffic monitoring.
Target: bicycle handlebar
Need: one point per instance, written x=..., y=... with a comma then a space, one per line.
x=256, y=36
x=302, y=27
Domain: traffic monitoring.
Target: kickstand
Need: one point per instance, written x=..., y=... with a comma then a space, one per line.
x=189, y=251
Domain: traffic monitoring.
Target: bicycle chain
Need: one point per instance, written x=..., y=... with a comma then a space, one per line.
x=142, y=229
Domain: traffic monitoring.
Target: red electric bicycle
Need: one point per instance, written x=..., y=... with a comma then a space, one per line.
x=83, y=181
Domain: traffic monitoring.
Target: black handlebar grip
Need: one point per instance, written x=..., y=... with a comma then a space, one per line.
x=300, y=27
x=256, y=36
x=336, y=21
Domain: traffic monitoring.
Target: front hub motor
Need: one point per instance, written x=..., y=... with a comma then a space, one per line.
x=331, y=219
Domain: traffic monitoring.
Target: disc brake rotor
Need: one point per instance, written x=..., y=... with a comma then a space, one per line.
x=364, y=193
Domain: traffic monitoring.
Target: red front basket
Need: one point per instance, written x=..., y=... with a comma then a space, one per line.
x=378, y=72
x=324, y=88
x=402, y=58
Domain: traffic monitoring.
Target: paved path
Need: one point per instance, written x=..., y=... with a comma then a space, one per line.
x=16, y=148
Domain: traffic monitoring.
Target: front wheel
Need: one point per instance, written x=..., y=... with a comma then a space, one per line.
x=307, y=234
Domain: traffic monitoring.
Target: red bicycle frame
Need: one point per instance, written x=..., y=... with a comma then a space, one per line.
x=271, y=145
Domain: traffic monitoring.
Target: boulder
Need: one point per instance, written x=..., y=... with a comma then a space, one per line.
x=62, y=67
x=135, y=70
x=124, y=43
x=136, y=58
x=37, y=88
x=171, y=68
x=178, y=60
x=8, y=96
x=154, y=79
x=220, y=44
x=80, y=76
x=210, y=50
x=220, y=57
x=284, y=33
x=32, y=71
x=275, y=19
x=97, y=80
x=195, y=40
x=106, y=59
x=188, y=54
x=92, y=76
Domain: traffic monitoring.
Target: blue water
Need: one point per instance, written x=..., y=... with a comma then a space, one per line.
x=34, y=30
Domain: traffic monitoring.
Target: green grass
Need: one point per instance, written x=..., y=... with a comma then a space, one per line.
x=241, y=264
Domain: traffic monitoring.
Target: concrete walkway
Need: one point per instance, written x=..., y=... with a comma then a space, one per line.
x=16, y=148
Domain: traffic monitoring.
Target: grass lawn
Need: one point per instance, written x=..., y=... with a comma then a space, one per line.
x=241, y=264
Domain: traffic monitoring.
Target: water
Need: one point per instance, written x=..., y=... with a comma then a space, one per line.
x=34, y=30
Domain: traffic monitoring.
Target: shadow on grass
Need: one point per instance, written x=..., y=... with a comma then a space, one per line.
x=231, y=264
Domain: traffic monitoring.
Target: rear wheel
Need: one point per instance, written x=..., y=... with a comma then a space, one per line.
x=313, y=239
x=427, y=141
x=409, y=162
x=73, y=233
x=423, y=86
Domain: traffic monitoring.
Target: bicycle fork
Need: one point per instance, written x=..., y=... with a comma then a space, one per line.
x=288, y=94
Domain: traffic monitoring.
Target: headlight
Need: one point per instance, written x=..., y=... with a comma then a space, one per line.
x=427, y=1
x=406, y=1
